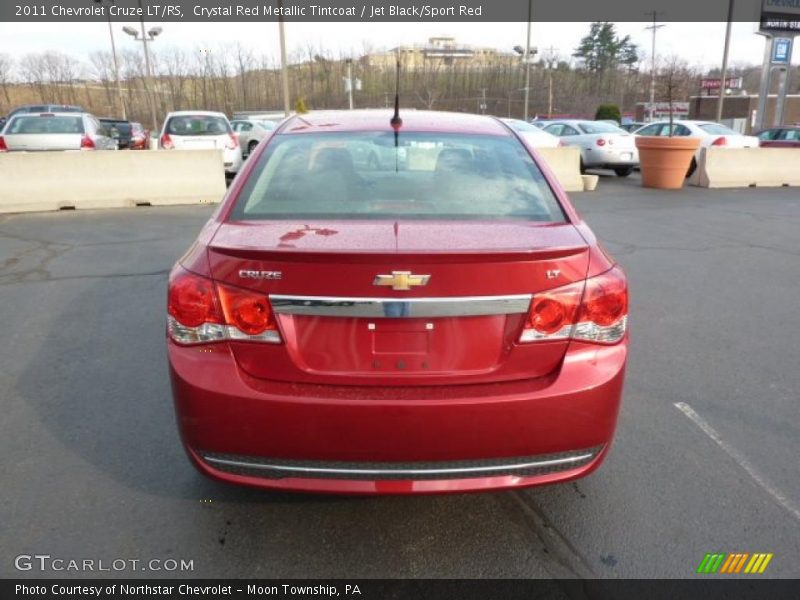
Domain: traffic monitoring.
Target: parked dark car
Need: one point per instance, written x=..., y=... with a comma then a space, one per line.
x=787, y=136
x=121, y=131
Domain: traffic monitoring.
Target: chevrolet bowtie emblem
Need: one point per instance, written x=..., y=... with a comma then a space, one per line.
x=401, y=280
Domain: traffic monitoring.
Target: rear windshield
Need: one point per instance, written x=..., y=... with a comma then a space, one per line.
x=197, y=125
x=600, y=127
x=369, y=175
x=717, y=129
x=33, y=124
x=124, y=127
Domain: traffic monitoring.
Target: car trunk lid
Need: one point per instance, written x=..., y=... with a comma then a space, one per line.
x=337, y=290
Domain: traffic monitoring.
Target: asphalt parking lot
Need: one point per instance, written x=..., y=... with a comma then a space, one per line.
x=92, y=466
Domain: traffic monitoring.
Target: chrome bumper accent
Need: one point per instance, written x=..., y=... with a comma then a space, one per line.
x=467, y=306
x=463, y=469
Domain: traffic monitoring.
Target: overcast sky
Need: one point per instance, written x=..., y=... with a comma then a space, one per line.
x=699, y=43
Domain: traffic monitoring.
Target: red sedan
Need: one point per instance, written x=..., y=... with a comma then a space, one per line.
x=396, y=308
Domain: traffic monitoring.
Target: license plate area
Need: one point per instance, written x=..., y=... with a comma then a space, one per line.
x=401, y=337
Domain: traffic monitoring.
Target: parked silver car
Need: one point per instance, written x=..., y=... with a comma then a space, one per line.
x=250, y=132
x=602, y=145
x=36, y=132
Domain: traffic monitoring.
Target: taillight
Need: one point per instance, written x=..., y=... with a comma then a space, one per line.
x=593, y=311
x=87, y=143
x=201, y=312
x=3, y=147
x=720, y=141
x=600, y=142
x=232, y=142
x=166, y=142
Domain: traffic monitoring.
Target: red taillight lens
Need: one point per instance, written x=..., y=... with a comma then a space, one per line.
x=552, y=314
x=605, y=300
x=600, y=142
x=596, y=311
x=3, y=147
x=720, y=141
x=232, y=142
x=192, y=300
x=87, y=143
x=201, y=311
x=249, y=312
x=166, y=142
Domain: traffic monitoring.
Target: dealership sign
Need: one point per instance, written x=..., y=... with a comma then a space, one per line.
x=780, y=16
x=661, y=110
x=731, y=83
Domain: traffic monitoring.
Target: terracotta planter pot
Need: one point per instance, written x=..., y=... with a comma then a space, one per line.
x=664, y=161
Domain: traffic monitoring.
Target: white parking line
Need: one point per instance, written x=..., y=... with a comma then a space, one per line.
x=778, y=495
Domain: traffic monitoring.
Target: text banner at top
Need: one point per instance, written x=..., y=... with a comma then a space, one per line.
x=377, y=11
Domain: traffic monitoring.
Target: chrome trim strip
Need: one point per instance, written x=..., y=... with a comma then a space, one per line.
x=396, y=472
x=465, y=306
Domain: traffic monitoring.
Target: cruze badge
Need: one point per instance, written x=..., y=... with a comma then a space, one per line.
x=245, y=274
x=401, y=280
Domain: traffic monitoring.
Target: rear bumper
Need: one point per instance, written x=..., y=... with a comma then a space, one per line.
x=610, y=159
x=367, y=440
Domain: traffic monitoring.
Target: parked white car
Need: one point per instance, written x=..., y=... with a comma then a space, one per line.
x=250, y=132
x=533, y=135
x=710, y=134
x=602, y=145
x=202, y=130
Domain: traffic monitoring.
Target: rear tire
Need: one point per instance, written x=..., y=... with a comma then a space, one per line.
x=583, y=167
x=251, y=147
x=623, y=171
x=692, y=168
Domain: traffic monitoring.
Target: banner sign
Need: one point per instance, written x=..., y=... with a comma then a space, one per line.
x=731, y=83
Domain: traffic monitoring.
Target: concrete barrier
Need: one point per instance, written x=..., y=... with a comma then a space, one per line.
x=747, y=167
x=565, y=162
x=37, y=181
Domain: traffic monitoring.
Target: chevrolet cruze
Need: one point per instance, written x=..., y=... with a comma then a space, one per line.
x=442, y=321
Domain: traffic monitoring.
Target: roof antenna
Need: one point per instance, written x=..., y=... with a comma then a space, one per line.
x=396, y=121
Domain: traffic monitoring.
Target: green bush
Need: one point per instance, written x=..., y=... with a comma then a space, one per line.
x=300, y=106
x=608, y=112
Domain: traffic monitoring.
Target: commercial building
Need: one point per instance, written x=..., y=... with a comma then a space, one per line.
x=442, y=51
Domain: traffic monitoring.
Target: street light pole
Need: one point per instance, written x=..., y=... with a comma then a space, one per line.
x=528, y=61
x=721, y=100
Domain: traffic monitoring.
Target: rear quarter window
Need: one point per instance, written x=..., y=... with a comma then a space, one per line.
x=424, y=176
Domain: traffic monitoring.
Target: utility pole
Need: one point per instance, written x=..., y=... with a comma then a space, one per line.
x=725, y=52
x=284, y=65
x=149, y=68
x=654, y=27
x=349, y=62
x=527, y=56
x=120, y=97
